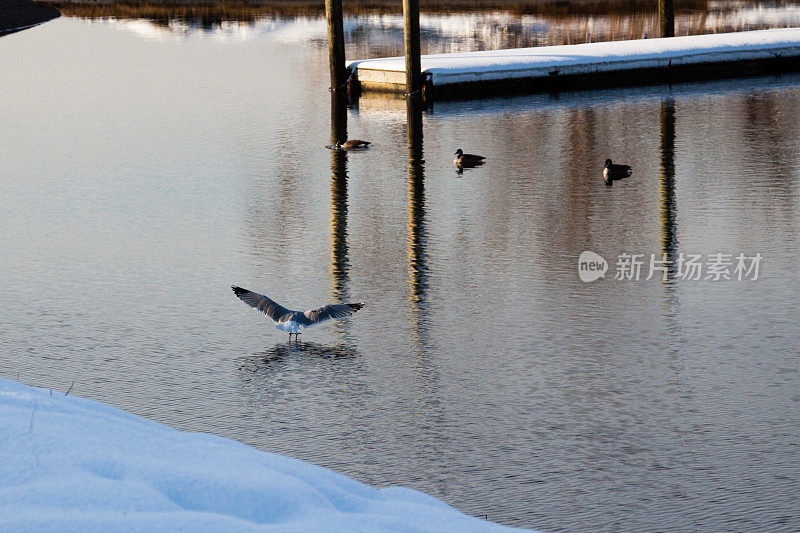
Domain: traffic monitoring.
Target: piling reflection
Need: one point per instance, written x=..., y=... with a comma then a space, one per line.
x=416, y=235
x=340, y=265
x=427, y=417
x=666, y=179
x=669, y=233
x=766, y=120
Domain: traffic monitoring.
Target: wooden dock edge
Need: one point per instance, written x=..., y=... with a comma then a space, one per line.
x=597, y=80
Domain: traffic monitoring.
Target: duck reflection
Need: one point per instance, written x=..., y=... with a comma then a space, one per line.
x=613, y=172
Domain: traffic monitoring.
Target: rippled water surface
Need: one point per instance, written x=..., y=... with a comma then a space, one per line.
x=141, y=177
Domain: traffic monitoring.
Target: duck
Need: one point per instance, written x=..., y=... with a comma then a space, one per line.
x=613, y=172
x=463, y=160
x=354, y=144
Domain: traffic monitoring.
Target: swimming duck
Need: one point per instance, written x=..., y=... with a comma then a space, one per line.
x=354, y=144
x=463, y=160
x=613, y=172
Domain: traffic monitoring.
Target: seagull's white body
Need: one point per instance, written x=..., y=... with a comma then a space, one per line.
x=291, y=321
x=290, y=325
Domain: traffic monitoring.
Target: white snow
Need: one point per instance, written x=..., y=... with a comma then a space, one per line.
x=595, y=57
x=69, y=464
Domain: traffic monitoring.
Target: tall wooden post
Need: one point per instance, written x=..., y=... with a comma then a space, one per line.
x=333, y=13
x=338, y=118
x=666, y=18
x=411, y=33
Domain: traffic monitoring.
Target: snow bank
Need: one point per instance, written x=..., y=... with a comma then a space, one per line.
x=68, y=464
x=465, y=67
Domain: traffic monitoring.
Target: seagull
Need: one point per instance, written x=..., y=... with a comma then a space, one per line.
x=613, y=172
x=463, y=160
x=291, y=321
x=354, y=144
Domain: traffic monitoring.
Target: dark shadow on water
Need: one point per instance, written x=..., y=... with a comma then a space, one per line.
x=584, y=99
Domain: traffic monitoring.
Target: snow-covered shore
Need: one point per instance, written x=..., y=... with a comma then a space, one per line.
x=70, y=464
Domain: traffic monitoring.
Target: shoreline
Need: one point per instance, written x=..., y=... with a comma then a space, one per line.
x=249, y=10
x=18, y=15
x=78, y=464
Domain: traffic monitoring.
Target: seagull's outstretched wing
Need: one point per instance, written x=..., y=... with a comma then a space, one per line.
x=261, y=302
x=327, y=312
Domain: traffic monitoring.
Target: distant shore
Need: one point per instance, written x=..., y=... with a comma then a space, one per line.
x=16, y=15
x=250, y=10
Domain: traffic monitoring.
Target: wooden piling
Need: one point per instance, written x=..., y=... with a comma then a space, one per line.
x=666, y=18
x=412, y=45
x=333, y=14
x=338, y=118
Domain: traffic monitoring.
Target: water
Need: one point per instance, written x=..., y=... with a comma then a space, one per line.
x=140, y=178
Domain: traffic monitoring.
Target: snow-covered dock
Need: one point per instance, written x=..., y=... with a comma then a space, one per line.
x=598, y=64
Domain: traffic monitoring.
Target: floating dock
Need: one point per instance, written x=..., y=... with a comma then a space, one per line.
x=553, y=68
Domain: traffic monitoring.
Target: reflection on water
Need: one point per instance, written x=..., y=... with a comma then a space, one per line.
x=278, y=354
x=427, y=397
x=377, y=35
x=666, y=179
x=416, y=236
x=339, y=263
x=481, y=370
